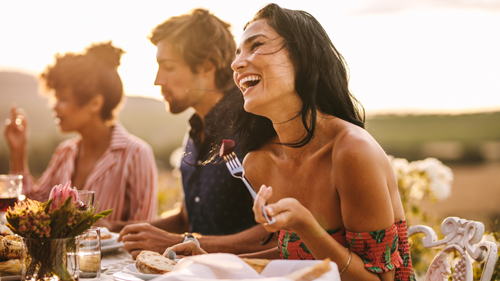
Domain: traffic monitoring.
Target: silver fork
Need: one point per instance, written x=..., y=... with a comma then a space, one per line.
x=236, y=169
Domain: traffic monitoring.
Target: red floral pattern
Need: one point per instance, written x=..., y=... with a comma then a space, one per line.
x=381, y=251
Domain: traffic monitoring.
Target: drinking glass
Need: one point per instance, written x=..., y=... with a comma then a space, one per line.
x=10, y=189
x=89, y=253
x=86, y=198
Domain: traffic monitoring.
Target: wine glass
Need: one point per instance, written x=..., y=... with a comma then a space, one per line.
x=86, y=199
x=10, y=190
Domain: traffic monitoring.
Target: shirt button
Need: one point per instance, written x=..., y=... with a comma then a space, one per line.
x=197, y=199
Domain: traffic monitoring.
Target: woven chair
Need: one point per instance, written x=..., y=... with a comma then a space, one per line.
x=462, y=238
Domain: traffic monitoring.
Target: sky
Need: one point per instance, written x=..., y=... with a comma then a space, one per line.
x=403, y=55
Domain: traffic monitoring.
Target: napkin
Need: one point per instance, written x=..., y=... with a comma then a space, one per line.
x=231, y=267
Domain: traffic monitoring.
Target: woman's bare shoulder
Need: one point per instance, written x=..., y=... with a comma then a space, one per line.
x=260, y=158
x=351, y=142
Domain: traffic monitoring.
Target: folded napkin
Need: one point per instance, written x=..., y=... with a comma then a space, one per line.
x=231, y=267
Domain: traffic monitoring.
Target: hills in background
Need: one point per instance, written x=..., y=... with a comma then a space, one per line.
x=451, y=138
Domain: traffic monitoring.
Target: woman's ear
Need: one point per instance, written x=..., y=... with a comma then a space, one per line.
x=96, y=103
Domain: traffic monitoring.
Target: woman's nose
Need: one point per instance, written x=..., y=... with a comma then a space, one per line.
x=239, y=63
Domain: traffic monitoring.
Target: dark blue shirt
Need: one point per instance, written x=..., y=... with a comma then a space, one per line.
x=216, y=202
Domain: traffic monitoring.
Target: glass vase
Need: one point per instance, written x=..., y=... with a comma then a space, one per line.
x=50, y=259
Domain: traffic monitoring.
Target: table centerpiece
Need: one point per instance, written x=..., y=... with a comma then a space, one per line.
x=50, y=233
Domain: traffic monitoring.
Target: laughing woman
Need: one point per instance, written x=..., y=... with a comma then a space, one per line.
x=104, y=158
x=334, y=193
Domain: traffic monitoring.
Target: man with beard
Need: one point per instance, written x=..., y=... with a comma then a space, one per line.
x=194, y=55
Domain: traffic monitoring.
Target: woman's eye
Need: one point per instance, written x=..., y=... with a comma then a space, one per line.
x=255, y=45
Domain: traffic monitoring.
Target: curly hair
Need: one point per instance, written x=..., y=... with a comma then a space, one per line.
x=197, y=37
x=92, y=72
x=321, y=79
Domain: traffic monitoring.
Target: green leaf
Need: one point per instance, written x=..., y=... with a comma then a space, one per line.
x=378, y=235
x=304, y=247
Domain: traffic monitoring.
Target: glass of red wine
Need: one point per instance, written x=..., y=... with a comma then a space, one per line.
x=10, y=190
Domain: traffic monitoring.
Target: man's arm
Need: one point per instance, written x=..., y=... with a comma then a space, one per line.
x=247, y=241
x=144, y=236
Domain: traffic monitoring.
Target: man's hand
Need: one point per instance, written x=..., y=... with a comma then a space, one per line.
x=189, y=248
x=143, y=236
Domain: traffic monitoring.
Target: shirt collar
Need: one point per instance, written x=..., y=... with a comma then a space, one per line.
x=119, y=137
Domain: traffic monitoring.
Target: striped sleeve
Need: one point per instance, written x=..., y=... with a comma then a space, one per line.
x=143, y=187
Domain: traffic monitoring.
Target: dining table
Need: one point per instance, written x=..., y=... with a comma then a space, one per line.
x=113, y=262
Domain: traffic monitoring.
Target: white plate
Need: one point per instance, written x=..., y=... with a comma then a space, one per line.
x=10, y=278
x=122, y=276
x=132, y=270
x=112, y=240
x=111, y=248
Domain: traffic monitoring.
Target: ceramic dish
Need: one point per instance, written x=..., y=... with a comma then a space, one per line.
x=132, y=270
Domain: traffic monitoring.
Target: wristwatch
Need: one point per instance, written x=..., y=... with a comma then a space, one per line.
x=189, y=237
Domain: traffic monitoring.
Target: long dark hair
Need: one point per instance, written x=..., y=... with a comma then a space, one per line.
x=321, y=79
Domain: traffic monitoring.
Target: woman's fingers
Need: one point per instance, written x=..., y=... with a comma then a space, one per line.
x=263, y=194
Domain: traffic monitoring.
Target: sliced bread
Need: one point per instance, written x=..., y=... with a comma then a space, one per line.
x=149, y=262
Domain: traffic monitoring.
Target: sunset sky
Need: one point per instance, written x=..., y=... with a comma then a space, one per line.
x=403, y=55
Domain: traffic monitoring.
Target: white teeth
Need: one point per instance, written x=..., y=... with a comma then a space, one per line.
x=249, y=78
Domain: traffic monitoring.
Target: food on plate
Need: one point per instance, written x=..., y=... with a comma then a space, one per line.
x=257, y=264
x=149, y=262
x=311, y=272
x=10, y=247
x=105, y=236
x=4, y=231
x=227, y=147
x=10, y=267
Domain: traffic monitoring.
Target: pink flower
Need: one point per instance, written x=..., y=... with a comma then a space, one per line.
x=59, y=194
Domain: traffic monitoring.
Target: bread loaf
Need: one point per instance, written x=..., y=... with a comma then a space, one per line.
x=149, y=262
x=10, y=267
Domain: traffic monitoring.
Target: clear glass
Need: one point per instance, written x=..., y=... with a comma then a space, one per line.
x=89, y=253
x=10, y=190
x=49, y=259
x=86, y=198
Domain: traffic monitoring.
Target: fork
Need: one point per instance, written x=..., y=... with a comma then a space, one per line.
x=236, y=169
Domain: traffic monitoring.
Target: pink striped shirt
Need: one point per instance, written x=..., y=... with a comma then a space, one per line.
x=124, y=179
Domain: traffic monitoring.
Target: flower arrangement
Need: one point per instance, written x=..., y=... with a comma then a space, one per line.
x=49, y=231
x=419, y=179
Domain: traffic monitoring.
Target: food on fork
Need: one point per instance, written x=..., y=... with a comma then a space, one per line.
x=226, y=148
x=149, y=262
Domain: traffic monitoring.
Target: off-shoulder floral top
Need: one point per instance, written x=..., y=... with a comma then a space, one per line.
x=381, y=250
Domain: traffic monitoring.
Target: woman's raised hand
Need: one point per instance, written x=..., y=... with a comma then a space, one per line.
x=288, y=212
x=16, y=130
